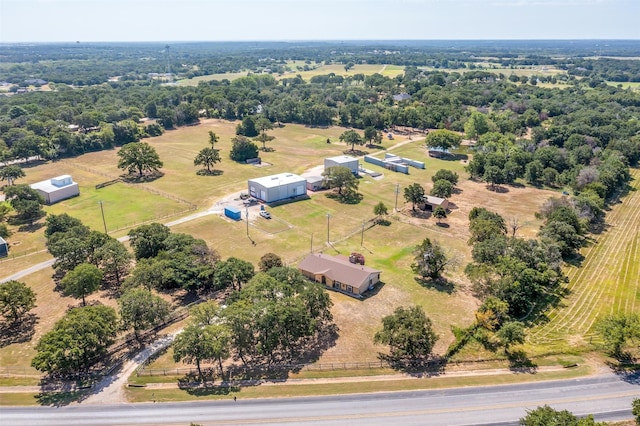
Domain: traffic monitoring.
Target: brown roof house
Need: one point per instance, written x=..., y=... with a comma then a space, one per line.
x=339, y=273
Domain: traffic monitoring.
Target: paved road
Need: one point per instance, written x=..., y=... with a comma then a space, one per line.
x=606, y=396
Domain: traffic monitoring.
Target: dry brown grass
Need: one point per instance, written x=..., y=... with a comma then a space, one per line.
x=298, y=148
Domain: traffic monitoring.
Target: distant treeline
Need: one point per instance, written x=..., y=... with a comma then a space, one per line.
x=93, y=63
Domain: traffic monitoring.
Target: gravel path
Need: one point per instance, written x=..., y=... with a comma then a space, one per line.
x=111, y=389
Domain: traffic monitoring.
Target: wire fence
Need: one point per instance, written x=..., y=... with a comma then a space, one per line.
x=14, y=254
x=19, y=372
x=116, y=179
x=155, y=219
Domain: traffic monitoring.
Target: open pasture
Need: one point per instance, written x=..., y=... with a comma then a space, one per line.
x=337, y=69
x=296, y=149
x=607, y=282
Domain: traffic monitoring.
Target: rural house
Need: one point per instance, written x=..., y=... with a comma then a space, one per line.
x=57, y=189
x=339, y=273
x=277, y=187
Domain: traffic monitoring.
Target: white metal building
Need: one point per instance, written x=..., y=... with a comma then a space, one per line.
x=57, y=188
x=277, y=187
x=351, y=163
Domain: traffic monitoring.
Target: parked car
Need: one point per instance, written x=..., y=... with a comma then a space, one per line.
x=265, y=214
x=250, y=201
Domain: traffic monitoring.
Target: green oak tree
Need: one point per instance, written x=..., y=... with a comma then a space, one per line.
x=139, y=157
x=232, y=273
x=83, y=280
x=207, y=157
x=408, y=333
x=442, y=188
x=16, y=299
x=197, y=344
x=11, y=173
x=140, y=309
x=439, y=213
x=342, y=179
x=351, y=137
x=148, y=240
x=445, y=174
x=242, y=149
x=443, y=139
x=430, y=259
x=414, y=194
x=268, y=261
x=76, y=341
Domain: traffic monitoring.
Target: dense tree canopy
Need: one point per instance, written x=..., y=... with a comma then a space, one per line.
x=276, y=316
x=140, y=309
x=77, y=341
x=83, y=280
x=242, y=149
x=443, y=139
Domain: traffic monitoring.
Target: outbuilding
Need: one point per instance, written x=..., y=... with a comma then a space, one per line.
x=347, y=161
x=57, y=189
x=4, y=248
x=315, y=183
x=430, y=202
x=232, y=213
x=277, y=187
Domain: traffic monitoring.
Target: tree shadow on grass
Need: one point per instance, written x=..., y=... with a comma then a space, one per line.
x=441, y=284
x=355, y=152
x=214, y=172
x=214, y=390
x=145, y=178
x=346, y=198
x=519, y=362
x=498, y=189
x=422, y=367
x=20, y=331
x=60, y=399
x=575, y=260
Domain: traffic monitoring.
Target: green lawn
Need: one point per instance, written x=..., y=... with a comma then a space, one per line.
x=290, y=390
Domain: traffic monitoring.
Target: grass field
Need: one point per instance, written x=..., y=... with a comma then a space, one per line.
x=608, y=281
x=287, y=390
x=296, y=226
x=338, y=69
x=635, y=85
x=386, y=70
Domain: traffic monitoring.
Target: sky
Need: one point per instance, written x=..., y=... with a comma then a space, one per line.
x=256, y=20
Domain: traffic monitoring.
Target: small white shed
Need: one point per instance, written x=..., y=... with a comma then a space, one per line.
x=57, y=189
x=351, y=163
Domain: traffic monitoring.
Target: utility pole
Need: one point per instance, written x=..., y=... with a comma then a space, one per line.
x=103, y=221
x=395, y=208
x=311, y=242
x=362, y=234
x=328, y=218
x=247, y=216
